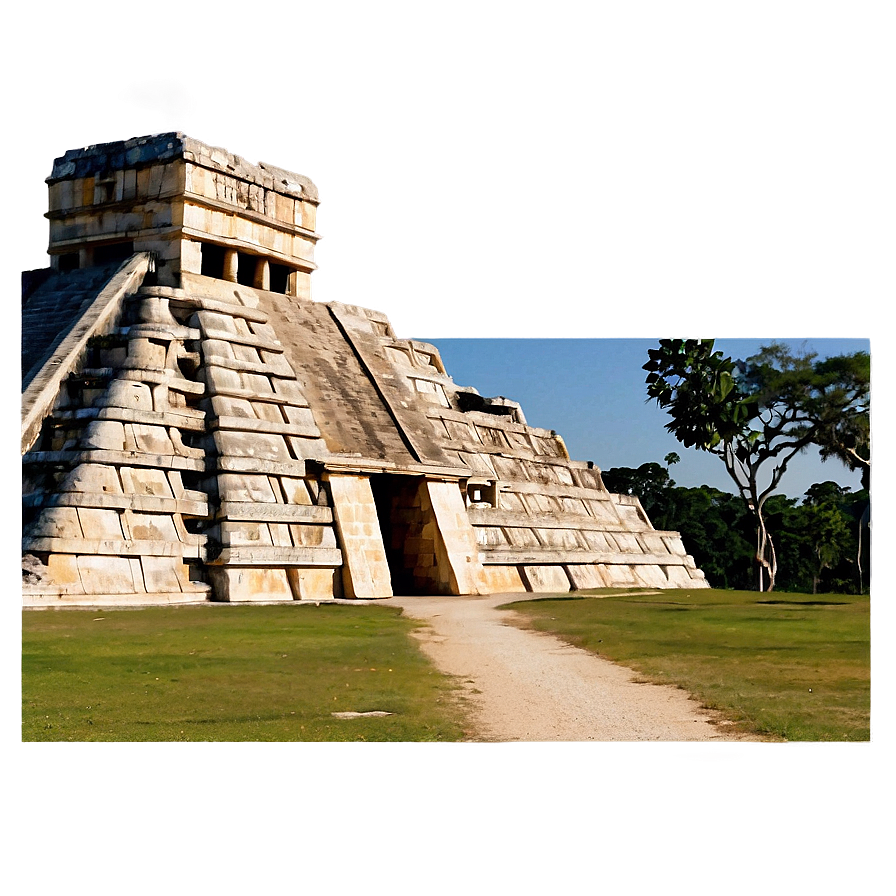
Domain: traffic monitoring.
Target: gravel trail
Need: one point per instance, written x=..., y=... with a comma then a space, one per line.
x=529, y=686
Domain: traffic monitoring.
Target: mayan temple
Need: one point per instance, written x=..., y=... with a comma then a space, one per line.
x=195, y=427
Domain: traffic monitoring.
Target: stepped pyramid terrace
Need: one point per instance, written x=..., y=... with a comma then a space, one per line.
x=195, y=427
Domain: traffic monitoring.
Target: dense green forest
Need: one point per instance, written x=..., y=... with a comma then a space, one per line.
x=821, y=540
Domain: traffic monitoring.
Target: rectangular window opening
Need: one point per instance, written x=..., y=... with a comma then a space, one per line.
x=212, y=261
x=279, y=274
x=112, y=252
x=245, y=270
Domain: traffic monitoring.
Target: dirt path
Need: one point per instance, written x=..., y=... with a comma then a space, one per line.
x=529, y=686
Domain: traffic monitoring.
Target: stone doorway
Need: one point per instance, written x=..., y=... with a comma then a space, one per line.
x=409, y=532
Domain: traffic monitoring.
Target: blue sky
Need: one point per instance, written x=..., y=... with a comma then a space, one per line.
x=592, y=392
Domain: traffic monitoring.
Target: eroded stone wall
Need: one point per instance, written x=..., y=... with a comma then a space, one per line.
x=200, y=428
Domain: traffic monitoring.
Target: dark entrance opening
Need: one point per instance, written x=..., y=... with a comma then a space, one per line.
x=112, y=252
x=410, y=550
x=212, y=261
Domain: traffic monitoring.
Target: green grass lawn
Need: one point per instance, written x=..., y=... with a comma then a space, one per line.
x=792, y=666
x=230, y=673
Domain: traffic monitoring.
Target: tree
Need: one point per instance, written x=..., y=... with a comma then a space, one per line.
x=756, y=415
x=847, y=436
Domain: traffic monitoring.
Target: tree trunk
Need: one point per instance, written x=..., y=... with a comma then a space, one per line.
x=765, y=554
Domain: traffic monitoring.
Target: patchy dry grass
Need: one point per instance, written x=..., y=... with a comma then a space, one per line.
x=794, y=666
x=230, y=673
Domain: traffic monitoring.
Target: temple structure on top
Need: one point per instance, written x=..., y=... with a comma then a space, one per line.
x=195, y=427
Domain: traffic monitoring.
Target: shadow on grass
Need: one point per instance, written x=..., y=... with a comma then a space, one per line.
x=806, y=603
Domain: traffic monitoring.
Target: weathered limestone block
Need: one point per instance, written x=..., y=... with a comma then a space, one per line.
x=106, y=434
x=457, y=554
x=674, y=545
x=680, y=577
x=653, y=542
x=257, y=383
x=107, y=575
x=247, y=353
x=62, y=569
x=147, y=439
x=498, y=579
x=127, y=394
x=597, y=541
x=301, y=417
x=545, y=579
x=235, y=584
x=147, y=481
x=313, y=536
x=160, y=574
x=92, y=478
x=244, y=533
x=144, y=354
x=280, y=535
x=296, y=491
x=626, y=542
x=216, y=349
x=585, y=575
x=365, y=570
x=246, y=487
x=650, y=575
x=521, y=538
x=618, y=575
x=226, y=406
x=248, y=444
x=276, y=364
x=151, y=526
x=57, y=522
x=100, y=524
x=220, y=379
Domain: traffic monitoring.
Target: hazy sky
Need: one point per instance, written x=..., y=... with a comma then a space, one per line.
x=503, y=172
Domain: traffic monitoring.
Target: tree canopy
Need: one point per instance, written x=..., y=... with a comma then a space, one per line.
x=757, y=414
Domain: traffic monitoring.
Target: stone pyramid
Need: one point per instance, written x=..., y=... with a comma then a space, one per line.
x=195, y=427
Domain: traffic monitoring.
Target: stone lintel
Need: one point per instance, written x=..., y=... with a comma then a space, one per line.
x=278, y=556
x=555, y=489
x=166, y=332
x=490, y=420
x=116, y=547
x=250, y=215
x=550, y=556
x=162, y=377
x=268, y=427
x=141, y=503
x=194, y=422
x=198, y=303
x=366, y=465
x=215, y=390
x=512, y=519
x=116, y=458
x=51, y=597
x=233, y=464
x=244, y=339
x=239, y=511
x=294, y=262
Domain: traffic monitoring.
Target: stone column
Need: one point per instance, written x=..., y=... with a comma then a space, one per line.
x=262, y=274
x=365, y=571
x=457, y=553
x=231, y=261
